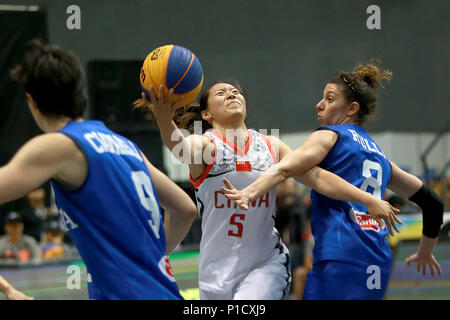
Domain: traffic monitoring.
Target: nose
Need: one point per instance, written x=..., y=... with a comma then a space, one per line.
x=231, y=95
x=320, y=105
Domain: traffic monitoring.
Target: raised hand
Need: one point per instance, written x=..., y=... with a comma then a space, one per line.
x=423, y=261
x=241, y=198
x=162, y=109
x=381, y=211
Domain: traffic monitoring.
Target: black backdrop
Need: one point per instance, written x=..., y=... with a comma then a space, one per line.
x=113, y=86
x=16, y=29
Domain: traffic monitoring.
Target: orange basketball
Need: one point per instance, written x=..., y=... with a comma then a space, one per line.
x=173, y=67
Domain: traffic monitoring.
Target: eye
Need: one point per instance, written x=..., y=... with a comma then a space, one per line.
x=235, y=91
x=219, y=93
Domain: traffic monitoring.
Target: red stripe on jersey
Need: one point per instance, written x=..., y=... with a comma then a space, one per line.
x=269, y=145
x=232, y=145
x=205, y=172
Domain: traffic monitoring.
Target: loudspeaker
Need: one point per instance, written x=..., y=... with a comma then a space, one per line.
x=112, y=87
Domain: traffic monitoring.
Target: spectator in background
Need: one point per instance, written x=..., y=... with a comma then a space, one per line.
x=292, y=219
x=15, y=245
x=36, y=214
x=54, y=247
x=446, y=192
x=300, y=273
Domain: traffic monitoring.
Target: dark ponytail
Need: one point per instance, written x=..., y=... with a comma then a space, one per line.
x=360, y=85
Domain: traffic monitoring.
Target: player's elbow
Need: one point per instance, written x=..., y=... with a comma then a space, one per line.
x=193, y=212
x=278, y=173
x=286, y=171
x=298, y=163
x=190, y=212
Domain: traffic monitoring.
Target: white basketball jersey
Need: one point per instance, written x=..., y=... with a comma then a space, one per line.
x=234, y=241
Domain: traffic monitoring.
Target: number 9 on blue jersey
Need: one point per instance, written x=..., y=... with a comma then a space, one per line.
x=144, y=189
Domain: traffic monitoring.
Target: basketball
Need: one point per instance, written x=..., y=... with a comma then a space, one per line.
x=175, y=68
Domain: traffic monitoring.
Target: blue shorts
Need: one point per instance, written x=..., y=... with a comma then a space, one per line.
x=338, y=280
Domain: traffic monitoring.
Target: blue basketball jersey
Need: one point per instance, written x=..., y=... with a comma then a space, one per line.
x=114, y=218
x=344, y=230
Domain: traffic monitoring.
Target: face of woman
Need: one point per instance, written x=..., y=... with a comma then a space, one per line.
x=225, y=104
x=333, y=109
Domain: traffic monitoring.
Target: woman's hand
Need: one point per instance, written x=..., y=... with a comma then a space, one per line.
x=240, y=197
x=424, y=256
x=163, y=109
x=382, y=210
x=423, y=261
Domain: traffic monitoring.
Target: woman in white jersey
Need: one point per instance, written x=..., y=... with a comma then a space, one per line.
x=241, y=253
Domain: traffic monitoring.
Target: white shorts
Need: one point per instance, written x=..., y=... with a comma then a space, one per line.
x=268, y=281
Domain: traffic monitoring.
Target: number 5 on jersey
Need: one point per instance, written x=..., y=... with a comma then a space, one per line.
x=235, y=221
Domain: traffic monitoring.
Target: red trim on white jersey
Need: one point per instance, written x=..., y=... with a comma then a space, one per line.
x=197, y=182
x=269, y=145
x=235, y=241
x=232, y=145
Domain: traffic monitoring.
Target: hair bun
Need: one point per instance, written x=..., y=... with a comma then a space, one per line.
x=372, y=74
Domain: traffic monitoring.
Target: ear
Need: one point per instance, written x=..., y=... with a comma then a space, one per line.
x=206, y=116
x=353, y=108
x=31, y=101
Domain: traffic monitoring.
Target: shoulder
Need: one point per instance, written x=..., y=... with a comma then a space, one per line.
x=279, y=147
x=57, y=143
x=49, y=149
x=200, y=142
x=330, y=129
x=198, y=139
x=324, y=136
x=49, y=155
x=277, y=142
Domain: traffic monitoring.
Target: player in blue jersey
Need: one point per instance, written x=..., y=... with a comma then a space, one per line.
x=107, y=191
x=352, y=258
